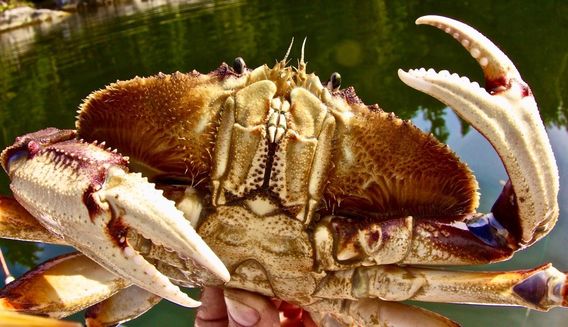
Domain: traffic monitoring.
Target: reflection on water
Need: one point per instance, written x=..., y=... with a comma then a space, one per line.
x=44, y=74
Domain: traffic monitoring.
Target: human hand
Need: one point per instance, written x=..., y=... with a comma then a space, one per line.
x=241, y=308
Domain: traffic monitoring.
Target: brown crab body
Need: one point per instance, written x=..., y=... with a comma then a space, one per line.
x=281, y=267
x=284, y=168
x=297, y=190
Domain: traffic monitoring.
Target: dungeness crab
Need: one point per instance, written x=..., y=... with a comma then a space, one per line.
x=271, y=181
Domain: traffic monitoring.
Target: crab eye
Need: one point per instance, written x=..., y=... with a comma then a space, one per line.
x=335, y=81
x=239, y=65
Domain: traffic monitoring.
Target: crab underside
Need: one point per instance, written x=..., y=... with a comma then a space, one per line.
x=271, y=181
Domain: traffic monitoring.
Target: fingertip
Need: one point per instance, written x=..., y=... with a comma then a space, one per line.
x=213, y=305
x=249, y=309
x=241, y=313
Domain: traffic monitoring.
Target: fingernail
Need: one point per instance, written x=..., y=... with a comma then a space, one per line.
x=241, y=313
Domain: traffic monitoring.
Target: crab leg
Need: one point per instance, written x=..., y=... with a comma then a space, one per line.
x=507, y=114
x=83, y=193
x=16, y=223
x=14, y=319
x=342, y=243
x=126, y=305
x=541, y=288
x=374, y=312
x=60, y=287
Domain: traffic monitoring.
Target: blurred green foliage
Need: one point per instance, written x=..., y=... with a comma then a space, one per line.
x=25, y=254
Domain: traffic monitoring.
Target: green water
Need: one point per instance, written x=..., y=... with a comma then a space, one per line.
x=45, y=73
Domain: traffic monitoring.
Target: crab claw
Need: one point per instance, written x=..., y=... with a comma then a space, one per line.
x=83, y=193
x=505, y=112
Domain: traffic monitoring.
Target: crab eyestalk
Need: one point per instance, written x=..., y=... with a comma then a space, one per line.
x=505, y=112
x=84, y=193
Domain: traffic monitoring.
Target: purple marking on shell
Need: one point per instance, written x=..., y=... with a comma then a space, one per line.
x=506, y=211
x=89, y=159
x=349, y=95
x=488, y=230
x=225, y=71
x=93, y=162
x=497, y=85
x=90, y=202
x=15, y=156
x=33, y=143
x=33, y=148
x=533, y=289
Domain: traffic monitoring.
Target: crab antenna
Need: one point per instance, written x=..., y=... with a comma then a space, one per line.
x=288, y=51
x=9, y=278
x=302, y=53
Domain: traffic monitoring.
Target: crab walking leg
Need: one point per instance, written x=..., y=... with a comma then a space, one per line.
x=14, y=319
x=60, y=287
x=126, y=305
x=540, y=288
x=18, y=224
x=83, y=193
x=507, y=114
x=343, y=243
x=374, y=312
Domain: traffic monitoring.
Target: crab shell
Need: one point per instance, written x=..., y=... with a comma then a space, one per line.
x=271, y=181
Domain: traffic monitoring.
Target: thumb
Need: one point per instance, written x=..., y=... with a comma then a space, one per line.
x=248, y=309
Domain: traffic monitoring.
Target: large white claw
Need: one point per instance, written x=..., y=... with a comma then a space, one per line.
x=83, y=193
x=137, y=205
x=505, y=112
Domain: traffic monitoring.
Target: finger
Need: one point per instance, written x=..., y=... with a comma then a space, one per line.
x=249, y=309
x=212, y=312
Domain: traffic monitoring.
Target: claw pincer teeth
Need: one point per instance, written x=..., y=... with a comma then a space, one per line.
x=432, y=76
x=505, y=110
x=85, y=194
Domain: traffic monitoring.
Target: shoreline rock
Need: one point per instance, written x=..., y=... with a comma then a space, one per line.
x=25, y=16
